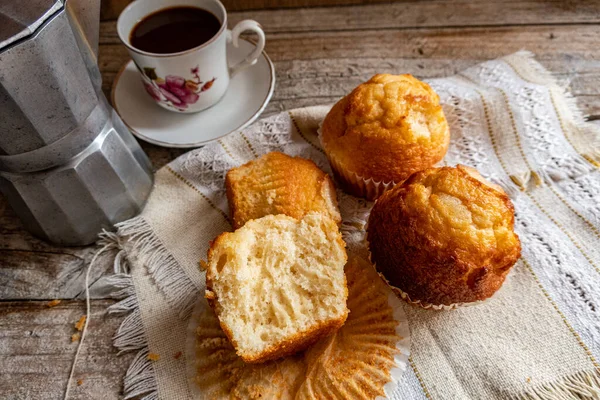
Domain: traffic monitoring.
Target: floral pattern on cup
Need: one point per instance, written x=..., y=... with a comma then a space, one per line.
x=175, y=91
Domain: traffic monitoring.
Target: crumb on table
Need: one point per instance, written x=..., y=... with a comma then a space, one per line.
x=153, y=357
x=177, y=355
x=53, y=303
x=75, y=337
x=79, y=382
x=79, y=324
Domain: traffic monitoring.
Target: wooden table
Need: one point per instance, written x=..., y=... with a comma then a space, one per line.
x=321, y=50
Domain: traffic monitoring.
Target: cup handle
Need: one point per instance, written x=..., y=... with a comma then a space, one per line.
x=242, y=26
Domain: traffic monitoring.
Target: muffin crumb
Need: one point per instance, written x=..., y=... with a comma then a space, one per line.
x=81, y=323
x=53, y=303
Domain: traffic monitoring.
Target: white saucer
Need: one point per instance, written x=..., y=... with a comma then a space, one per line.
x=247, y=96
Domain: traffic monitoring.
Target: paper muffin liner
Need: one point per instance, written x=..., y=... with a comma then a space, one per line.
x=402, y=330
x=406, y=297
x=214, y=370
x=354, y=183
x=428, y=306
x=373, y=346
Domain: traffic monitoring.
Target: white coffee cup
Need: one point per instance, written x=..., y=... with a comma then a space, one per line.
x=195, y=79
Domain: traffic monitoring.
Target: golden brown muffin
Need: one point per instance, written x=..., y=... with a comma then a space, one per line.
x=279, y=184
x=444, y=237
x=382, y=132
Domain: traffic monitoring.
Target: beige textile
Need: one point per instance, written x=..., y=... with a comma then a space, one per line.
x=537, y=338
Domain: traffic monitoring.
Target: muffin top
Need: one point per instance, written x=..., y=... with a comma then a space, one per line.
x=387, y=128
x=279, y=184
x=444, y=236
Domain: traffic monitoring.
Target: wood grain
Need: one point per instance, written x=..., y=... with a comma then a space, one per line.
x=36, y=352
x=32, y=269
x=112, y=8
x=411, y=15
x=425, y=14
x=381, y=14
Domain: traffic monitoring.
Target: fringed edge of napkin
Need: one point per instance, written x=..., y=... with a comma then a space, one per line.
x=582, y=385
x=140, y=379
x=174, y=284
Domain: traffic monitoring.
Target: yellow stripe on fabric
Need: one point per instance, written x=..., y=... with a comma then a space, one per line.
x=562, y=126
x=419, y=377
x=302, y=134
x=493, y=139
x=589, y=224
x=558, y=115
x=531, y=171
x=563, y=230
x=254, y=153
x=536, y=177
x=209, y=201
x=226, y=149
x=563, y=317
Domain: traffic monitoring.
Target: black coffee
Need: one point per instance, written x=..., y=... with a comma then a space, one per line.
x=174, y=29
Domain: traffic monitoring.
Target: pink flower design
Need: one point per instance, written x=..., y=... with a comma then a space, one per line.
x=175, y=91
x=152, y=91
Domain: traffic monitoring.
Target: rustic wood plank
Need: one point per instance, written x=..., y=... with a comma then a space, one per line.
x=26, y=274
x=112, y=8
x=424, y=14
x=36, y=352
x=31, y=268
x=343, y=15
x=410, y=15
x=447, y=43
x=237, y=5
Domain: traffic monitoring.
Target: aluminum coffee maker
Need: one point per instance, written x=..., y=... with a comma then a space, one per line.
x=68, y=165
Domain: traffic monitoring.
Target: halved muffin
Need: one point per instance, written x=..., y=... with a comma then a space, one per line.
x=277, y=284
